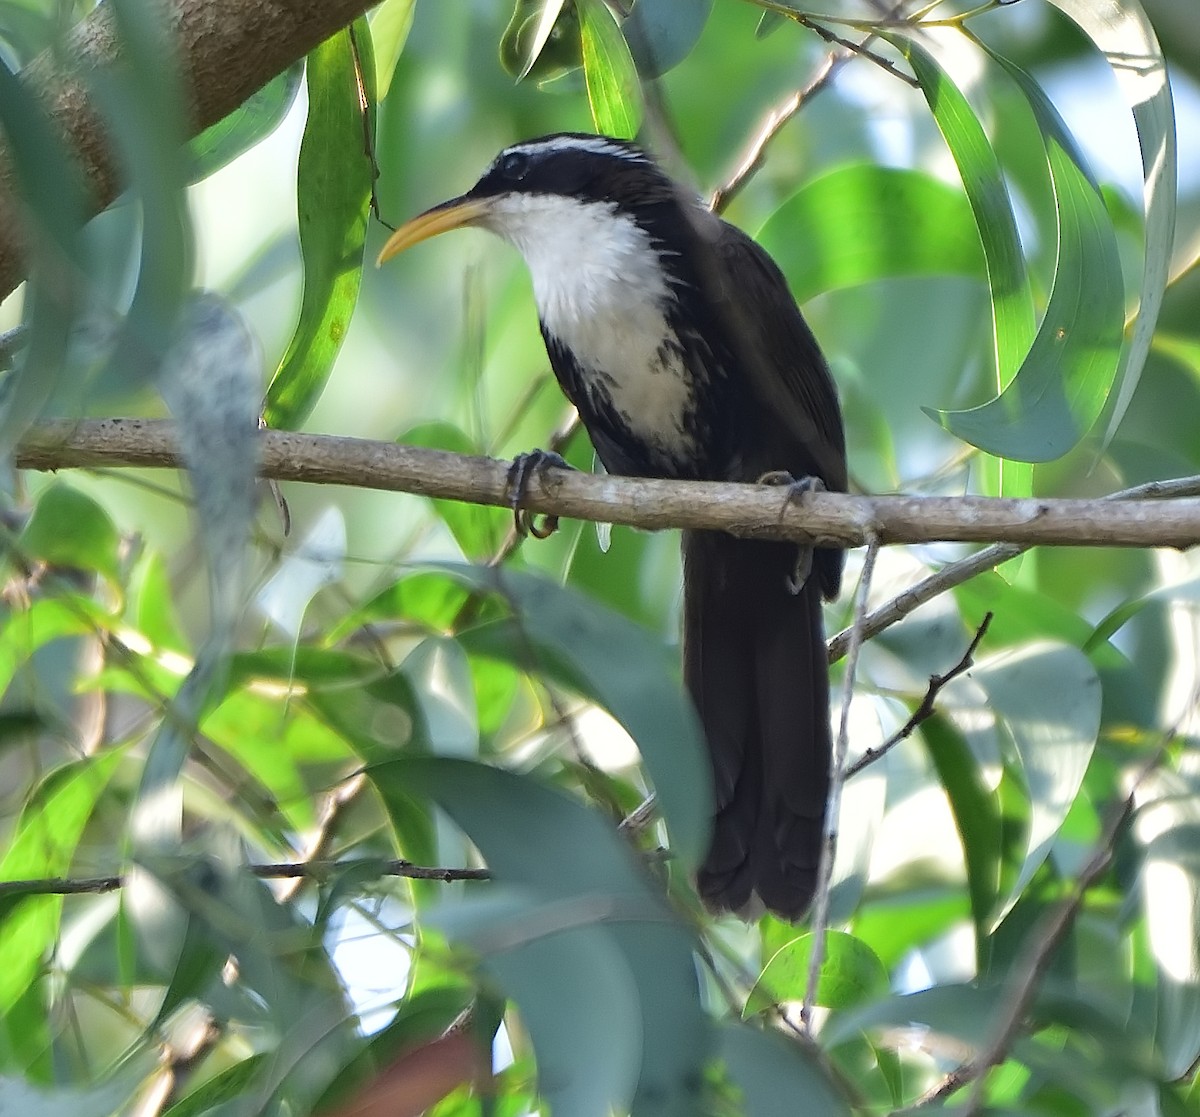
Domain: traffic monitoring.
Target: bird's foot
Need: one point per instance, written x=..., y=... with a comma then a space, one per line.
x=523, y=467
x=796, y=487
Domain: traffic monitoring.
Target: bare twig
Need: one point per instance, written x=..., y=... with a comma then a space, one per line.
x=283, y=870
x=820, y=921
x=1043, y=941
x=926, y=708
x=955, y=573
x=750, y=511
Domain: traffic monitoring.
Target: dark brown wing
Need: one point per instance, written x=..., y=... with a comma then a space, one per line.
x=776, y=351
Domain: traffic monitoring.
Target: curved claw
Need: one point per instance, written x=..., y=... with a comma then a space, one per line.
x=522, y=469
x=796, y=487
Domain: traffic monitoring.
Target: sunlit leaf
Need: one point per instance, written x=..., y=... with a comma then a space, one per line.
x=614, y=94
x=1049, y=697
x=976, y=814
x=571, y=639
x=861, y=223
x=315, y=563
x=333, y=196
x=1168, y=829
x=43, y=845
x=1064, y=381
x=850, y=974
x=1121, y=31
x=252, y=121
x=390, y=24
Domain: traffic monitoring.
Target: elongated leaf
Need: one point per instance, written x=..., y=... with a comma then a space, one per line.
x=52, y=192
x=1168, y=829
x=661, y=33
x=976, y=815
x=390, y=25
x=43, y=845
x=614, y=94
x=143, y=102
x=1013, y=319
x=1121, y=31
x=1049, y=697
x=573, y=640
x=862, y=223
x=333, y=199
x=577, y=872
x=253, y=120
x=1063, y=383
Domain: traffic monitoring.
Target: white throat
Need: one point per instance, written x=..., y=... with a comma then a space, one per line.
x=602, y=293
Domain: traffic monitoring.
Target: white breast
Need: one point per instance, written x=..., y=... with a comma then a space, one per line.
x=599, y=291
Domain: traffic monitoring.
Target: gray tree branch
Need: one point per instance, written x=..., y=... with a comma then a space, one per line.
x=1161, y=518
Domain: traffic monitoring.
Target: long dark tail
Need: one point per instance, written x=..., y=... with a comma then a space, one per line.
x=755, y=663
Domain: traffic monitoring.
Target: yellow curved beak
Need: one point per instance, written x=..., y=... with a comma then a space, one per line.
x=453, y=214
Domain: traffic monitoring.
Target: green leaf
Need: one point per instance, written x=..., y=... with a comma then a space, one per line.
x=861, y=223
x=851, y=973
x=43, y=845
x=19, y=1098
x=976, y=814
x=773, y=1075
x=1121, y=31
x=662, y=33
x=252, y=121
x=52, y=192
x=390, y=24
x=476, y=529
x=569, y=876
x=49, y=618
x=142, y=98
x=333, y=199
x=571, y=639
x=68, y=528
x=1063, y=383
x=1049, y=698
x=614, y=94
x=1167, y=827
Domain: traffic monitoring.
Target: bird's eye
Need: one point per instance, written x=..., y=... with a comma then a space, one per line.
x=514, y=165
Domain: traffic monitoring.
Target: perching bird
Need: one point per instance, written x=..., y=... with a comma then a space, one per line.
x=677, y=339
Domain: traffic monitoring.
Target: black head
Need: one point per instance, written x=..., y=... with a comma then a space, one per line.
x=575, y=166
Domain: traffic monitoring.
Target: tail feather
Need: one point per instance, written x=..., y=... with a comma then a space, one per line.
x=755, y=663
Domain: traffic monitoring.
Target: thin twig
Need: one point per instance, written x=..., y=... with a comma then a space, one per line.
x=955, y=573
x=926, y=708
x=1044, y=941
x=820, y=922
x=282, y=870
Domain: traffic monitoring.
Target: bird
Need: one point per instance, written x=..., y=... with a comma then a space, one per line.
x=677, y=339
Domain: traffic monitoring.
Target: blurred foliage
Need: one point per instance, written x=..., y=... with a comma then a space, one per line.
x=970, y=247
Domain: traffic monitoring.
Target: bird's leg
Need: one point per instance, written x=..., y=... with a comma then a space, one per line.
x=796, y=487
x=523, y=467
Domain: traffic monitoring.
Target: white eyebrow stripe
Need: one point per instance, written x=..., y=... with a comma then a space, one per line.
x=597, y=145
